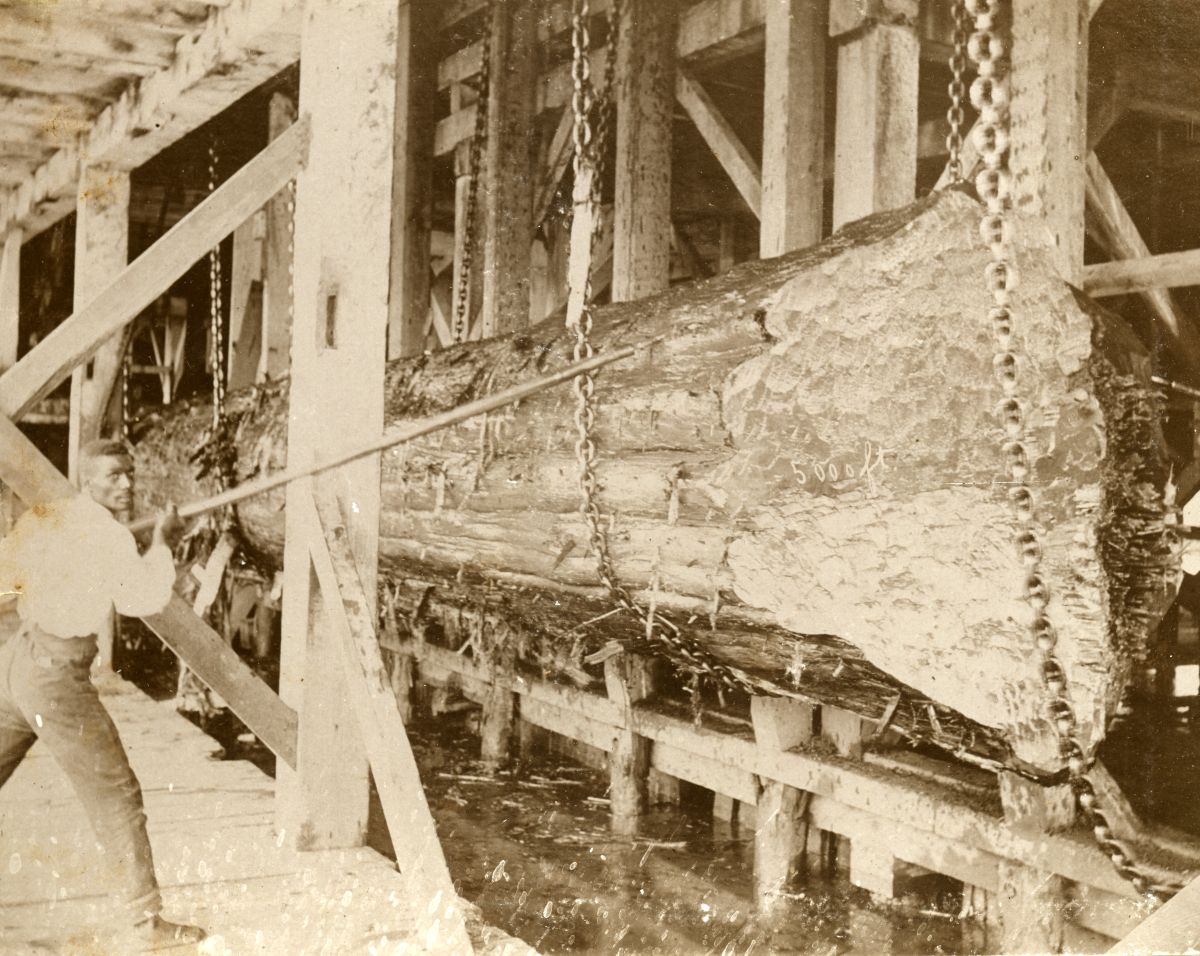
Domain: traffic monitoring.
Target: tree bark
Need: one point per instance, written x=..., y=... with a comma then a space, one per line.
x=806, y=458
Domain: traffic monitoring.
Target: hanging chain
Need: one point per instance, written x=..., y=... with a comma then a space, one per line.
x=216, y=331
x=588, y=161
x=958, y=91
x=291, y=253
x=126, y=401
x=462, y=302
x=989, y=95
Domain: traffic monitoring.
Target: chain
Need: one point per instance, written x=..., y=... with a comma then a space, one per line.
x=126, y=400
x=475, y=162
x=958, y=91
x=989, y=95
x=587, y=163
x=216, y=336
x=291, y=253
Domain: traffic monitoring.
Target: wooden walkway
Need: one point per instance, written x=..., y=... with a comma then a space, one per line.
x=217, y=857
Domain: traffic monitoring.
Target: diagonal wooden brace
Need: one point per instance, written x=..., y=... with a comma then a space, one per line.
x=34, y=479
x=392, y=762
x=148, y=276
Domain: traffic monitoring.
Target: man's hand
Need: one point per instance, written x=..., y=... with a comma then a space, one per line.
x=168, y=529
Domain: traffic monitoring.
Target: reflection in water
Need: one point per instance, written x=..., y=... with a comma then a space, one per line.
x=533, y=849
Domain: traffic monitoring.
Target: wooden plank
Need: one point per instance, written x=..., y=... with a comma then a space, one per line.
x=1173, y=928
x=558, y=158
x=147, y=277
x=275, y=350
x=101, y=251
x=31, y=476
x=645, y=97
x=10, y=298
x=1116, y=230
x=412, y=207
x=875, y=141
x=628, y=680
x=1168, y=271
x=243, y=353
x=97, y=37
x=508, y=173
x=349, y=609
x=1048, y=122
x=793, y=152
x=239, y=47
x=714, y=129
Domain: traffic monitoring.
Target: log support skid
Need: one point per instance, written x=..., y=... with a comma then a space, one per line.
x=803, y=764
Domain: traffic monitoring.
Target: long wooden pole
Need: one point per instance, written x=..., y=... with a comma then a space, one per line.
x=395, y=437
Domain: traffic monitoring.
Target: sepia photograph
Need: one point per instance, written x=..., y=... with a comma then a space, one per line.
x=668, y=477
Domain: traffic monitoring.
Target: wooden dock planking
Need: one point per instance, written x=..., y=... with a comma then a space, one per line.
x=218, y=858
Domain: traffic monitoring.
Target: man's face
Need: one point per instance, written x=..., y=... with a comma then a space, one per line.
x=109, y=481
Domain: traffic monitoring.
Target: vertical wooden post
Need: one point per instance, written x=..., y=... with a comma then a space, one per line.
x=508, y=174
x=875, y=155
x=101, y=252
x=412, y=208
x=793, y=159
x=781, y=831
x=645, y=113
x=628, y=679
x=1032, y=907
x=1031, y=903
x=10, y=298
x=1049, y=122
x=275, y=347
x=339, y=349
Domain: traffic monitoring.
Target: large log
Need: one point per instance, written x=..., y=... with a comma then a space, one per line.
x=811, y=449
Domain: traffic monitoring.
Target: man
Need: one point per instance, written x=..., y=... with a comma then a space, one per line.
x=68, y=564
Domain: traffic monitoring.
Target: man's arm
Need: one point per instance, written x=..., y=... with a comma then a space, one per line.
x=144, y=581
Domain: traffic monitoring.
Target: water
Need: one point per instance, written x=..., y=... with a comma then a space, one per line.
x=533, y=849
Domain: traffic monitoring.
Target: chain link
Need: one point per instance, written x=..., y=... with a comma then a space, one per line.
x=989, y=95
x=958, y=91
x=462, y=301
x=588, y=160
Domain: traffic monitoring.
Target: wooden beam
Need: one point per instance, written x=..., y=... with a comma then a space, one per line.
x=97, y=37
x=875, y=141
x=148, y=276
x=1168, y=271
x=793, y=154
x=240, y=46
x=412, y=207
x=1048, y=122
x=1116, y=231
x=275, y=351
x=628, y=679
x=10, y=298
x=101, y=251
x=645, y=97
x=343, y=250
x=348, y=609
x=508, y=173
x=1173, y=928
x=25, y=470
x=714, y=129
x=244, y=348
x=558, y=158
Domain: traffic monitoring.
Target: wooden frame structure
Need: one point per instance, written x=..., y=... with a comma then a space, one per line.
x=368, y=287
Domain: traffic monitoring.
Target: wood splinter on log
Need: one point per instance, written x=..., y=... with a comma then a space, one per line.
x=816, y=434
